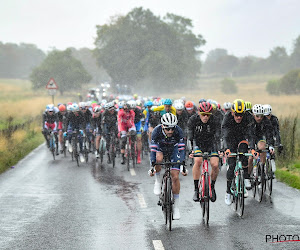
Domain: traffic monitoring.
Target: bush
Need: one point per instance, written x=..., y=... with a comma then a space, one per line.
x=273, y=87
x=228, y=86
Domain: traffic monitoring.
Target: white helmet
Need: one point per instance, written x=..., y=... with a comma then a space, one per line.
x=75, y=107
x=131, y=104
x=257, y=109
x=267, y=109
x=88, y=104
x=82, y=105
x=168, y=120
x=178, y=105
x=227, y=105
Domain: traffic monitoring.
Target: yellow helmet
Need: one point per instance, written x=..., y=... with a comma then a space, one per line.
x=238, y=106
x=248, y=106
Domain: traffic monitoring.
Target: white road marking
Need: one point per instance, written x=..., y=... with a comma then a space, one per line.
x=158, y=245
x=132, y=172
x=142, y=200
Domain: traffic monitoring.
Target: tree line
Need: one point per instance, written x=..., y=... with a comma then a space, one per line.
x=219, y=62
x=140, y=50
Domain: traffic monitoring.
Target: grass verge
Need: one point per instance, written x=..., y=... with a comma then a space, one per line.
x=18, y=146
x=290, y=178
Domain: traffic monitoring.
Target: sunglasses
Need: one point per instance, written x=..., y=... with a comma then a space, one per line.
x=205, y=114
x=239, y=114
x=169, y=128
x=83, y=108
x=259, y=116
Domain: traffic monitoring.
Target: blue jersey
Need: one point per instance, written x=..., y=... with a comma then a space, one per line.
x=161, y=143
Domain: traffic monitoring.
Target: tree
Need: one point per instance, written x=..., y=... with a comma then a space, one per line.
x=277, y=61
x=86, y=57
x=17, y=61
x=228, y=86
x=141, y=48
x=67, y=71
x=295, y=56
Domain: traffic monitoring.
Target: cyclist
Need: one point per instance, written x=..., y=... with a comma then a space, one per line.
x=165, y=108
x=227, y=107
x=50, y=120
x=262, y=133
x=167, y=140
x=61, y=120
x=190, y=108
x=96, y=124
x=138, y=126
x=109, y=125
x=126, y=124
x=236, y=128
x=205, y=130
x=75, y=120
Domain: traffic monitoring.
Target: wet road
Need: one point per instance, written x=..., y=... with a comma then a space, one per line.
x=48, y=204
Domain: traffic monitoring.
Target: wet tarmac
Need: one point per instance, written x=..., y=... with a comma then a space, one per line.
x=48, y=204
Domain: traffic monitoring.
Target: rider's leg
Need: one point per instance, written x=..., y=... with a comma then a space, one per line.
x=196, y=176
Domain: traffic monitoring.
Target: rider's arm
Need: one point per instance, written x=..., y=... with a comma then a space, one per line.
x=190, y=126
x=173, y=110
x=159, y=108
x=275, y=124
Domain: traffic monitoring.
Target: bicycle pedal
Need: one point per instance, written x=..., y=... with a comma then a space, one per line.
x=159, y=203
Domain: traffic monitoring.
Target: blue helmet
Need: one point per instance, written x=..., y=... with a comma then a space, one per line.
x=149, y=103
x=202, y=100
x=168, y=102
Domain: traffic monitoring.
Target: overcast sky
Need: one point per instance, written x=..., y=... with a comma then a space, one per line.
x=243, y=27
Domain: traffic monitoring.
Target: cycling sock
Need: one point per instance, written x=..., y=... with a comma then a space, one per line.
x=196, y=184
x=176, y=196
x=213, y=183
x=228, y=186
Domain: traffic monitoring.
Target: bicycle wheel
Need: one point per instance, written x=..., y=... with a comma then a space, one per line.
x=234, y=192
x=241, y=193
x=85, y=149
x=74, y=151
x=64, y=147
x=206, y=200
x=52, y=146
x=169, y=202
x=133, y=154
x=262, y=182
x=269, y=177
x=112, y=153
x=202, y=194
x=127, y=150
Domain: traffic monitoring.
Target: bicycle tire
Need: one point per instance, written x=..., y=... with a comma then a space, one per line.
x=241, y=194
x=207, y=198
x=133, y=155
x=234, y=192
x=112, y=154
x=64, y=147
x=164, y=200
x=127, y=151
x=74, y=151
x=52, y=145
x=262, y=182
x=85, y=149
x=169, y=203
x=269, y=177
x=201, y=190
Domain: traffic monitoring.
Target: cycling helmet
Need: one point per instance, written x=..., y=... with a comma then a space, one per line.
x=82, y=105
x=121, y=104
x=109, y=105
x=138, y=103
x=148, y=104
x=168, y=120
x=238, y=106
x=62, y=108
x=97, y=109
x=59, y=104
x=50, y=107
x=257, y=109
x=131, y=104
x=88, y=104
x=189, y=105
x=202, y=100
x=178, y=105
x=219, y=106
x=69, y=103
x=205, y=107
x=167, y=102
x=69, y=107
x=248, y=106
x=75, y=107
x=227, y=105
x=267, y=109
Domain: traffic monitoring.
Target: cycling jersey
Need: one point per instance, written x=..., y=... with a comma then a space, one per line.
x=207, y=135
x=50, y=121
x=233, y=133
x=162, y=110
x=126, y=120
x=172, y=146
x=262, y=131
x=183, y=119
x=75, y=121
x=152, y=119
x=96, y=124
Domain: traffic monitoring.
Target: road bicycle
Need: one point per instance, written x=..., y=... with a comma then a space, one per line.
x=166, y=199
x=112, y=147
x=86, y=147
x=204, y=185
x=74, y=143
x=237, y=185
x=52, y=142
x=130, y=150
x=262, y=176
x=102, y=148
